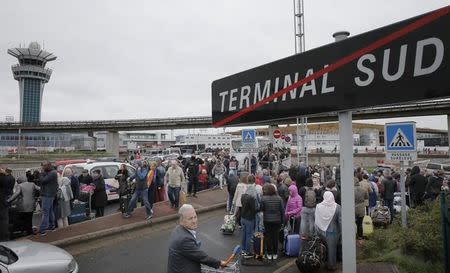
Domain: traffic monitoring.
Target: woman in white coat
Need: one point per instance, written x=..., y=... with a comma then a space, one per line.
x=64, y=196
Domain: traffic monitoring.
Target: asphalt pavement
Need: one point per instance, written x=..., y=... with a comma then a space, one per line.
x=149, y=253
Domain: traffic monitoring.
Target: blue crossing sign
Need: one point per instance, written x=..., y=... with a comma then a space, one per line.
x=400, y=141
x=249, y=136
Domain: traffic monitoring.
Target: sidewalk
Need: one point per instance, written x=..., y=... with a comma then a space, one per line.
x=115, y=223
x=291, y=267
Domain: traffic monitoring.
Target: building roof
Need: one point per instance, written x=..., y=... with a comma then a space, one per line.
x=334, y=127
x=33, y=51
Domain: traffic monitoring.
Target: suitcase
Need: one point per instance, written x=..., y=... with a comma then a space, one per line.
x=381, y=215
x=367, y=226
x=258, y=245
x=213, y=182
x=292, y=243
x=78, y=213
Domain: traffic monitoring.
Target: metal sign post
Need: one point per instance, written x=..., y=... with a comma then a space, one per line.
x=401, y=145
x=403, y=191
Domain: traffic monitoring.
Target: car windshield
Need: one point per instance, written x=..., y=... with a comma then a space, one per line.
x=446, y=168
x=7, y=256
x=434, y=166
x=77, y=170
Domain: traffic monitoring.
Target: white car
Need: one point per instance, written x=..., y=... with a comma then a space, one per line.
x=27, y=256
x=108, y=171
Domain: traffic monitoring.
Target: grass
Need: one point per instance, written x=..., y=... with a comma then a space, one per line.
x=415, y=249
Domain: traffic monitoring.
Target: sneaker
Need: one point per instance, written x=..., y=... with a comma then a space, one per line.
x=275, y=256
x=149, y=217
x=269, y=257
x=126, y=215
x=43, y=233
x=247, y=255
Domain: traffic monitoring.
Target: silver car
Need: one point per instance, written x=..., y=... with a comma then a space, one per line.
x=28, y=256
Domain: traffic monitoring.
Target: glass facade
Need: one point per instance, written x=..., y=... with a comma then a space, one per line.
x=31, y=108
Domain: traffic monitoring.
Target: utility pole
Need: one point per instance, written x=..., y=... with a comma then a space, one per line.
x=299, y=29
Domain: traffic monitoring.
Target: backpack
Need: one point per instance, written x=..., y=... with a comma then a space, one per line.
x=302, y=171
x=310, y=198
x=313, y=256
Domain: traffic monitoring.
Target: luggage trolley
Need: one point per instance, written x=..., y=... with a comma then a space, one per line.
x=234, y=267
x=86, y=197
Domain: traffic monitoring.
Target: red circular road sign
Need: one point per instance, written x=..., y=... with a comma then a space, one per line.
x=277, y=133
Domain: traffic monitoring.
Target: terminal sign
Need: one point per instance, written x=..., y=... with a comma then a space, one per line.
x=403, y=62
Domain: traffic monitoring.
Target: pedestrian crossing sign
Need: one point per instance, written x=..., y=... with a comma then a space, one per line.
x=248, y=136
x=400, y=140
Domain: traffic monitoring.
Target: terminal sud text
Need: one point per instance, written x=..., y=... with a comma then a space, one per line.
x=403, y=62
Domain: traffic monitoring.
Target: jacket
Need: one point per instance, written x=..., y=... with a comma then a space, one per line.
x=434, y=184
x=99, y=197
x=121, y=177
x=75, y=186
x=27, y=190
x=417, y=183
x=240, y=190
x=185, y=254
x=49, y=183
x=141, y=178
x=272, y=206
x=294, y=204
x=10, y=181
x=388, y=187
x=248, y=211
x=174, y=177
x=361, y=195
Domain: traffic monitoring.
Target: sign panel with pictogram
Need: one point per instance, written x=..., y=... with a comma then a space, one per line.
x=401, y=141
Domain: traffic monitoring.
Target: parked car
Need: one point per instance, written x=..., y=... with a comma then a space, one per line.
x=27, y=256
x=60, y=164
x=432, y=167
x=108, y=171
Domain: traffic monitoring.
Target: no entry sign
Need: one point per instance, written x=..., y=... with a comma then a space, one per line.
x=276, y=134
x=406, y=61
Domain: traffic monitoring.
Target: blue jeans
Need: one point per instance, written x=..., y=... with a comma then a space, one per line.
x=248, y=228
x=174, y=195
x=144, y=195
x=48, y=215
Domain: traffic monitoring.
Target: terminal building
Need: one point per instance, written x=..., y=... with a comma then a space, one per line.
x=32, y=75
x=211, y=141
x=326, y=136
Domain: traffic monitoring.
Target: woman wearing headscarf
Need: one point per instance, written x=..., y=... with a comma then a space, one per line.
x=248, y=212
x=294, y=208
x=121, y=177
x=328, y=226
x=64, y=197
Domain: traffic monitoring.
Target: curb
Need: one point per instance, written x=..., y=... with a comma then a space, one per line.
x=130, y=227
x=285, y=267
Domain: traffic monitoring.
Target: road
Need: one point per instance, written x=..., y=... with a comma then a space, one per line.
x=147, y=251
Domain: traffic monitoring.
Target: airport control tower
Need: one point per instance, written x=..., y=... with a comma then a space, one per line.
x=31, y=75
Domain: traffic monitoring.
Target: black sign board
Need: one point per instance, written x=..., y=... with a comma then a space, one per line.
x=403, y=62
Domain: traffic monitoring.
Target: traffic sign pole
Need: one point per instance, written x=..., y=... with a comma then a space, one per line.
x=403, y=190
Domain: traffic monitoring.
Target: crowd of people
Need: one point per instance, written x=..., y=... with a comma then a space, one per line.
x=306, y=200
x=264, y=196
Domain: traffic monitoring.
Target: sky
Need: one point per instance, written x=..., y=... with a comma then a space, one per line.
x=149, y=59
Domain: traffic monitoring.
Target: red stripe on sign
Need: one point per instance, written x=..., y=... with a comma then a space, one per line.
x=345, y=60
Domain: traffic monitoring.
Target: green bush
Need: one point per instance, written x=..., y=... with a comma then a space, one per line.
x=423, y=237
x=419, y=245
